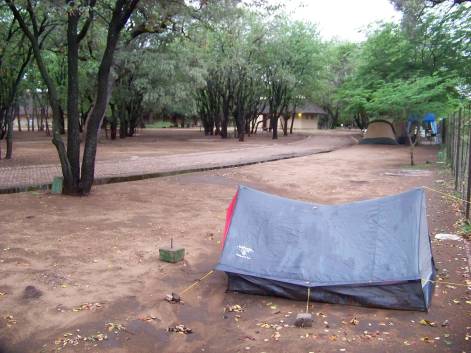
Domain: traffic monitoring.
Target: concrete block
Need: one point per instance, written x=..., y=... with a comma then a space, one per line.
x=173, y=255
x=57, y=185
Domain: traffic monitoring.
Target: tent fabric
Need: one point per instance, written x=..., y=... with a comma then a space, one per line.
x=373, y=253
x=380, y=132
x=428, y=119
x=230, y=212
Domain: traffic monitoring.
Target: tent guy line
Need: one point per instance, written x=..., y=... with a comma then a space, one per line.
x=446, y=194
x=196, y=282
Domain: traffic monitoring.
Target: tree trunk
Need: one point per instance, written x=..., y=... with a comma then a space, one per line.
x=73, y=123
x=48, y=132
x=9, y=117
x=285, y=125
x=61, y=121
x=240, y=127
x=411, y=150
x=225, y=119
x=274, y=126
x=293, y=116
x=18, y=118
x=122, y=122
x=32, y=119
x=113, y=129
x=118, y=21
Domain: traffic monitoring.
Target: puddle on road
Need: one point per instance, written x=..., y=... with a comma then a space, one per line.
x=409, y=173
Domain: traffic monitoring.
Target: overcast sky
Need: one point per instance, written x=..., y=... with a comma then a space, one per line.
x=342, y=19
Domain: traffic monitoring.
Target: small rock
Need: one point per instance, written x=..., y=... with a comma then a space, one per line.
x=173, y=298
x=31, y=292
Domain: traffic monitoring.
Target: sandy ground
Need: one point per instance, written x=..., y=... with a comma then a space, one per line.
x=104, y=249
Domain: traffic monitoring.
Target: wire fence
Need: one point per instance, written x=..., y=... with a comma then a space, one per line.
x=456, y=137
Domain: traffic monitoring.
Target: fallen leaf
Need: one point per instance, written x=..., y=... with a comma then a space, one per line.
x=10, y=320
x=233, y=308
x=115, y=327
x=180, y=329
x=147, y=318
x=427, y=323
x=354, y=321
x=88, y=306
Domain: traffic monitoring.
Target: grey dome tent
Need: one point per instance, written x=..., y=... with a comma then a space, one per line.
x=380, y=132
x=373, y=253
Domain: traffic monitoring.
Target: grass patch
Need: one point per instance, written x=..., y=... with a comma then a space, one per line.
x=464, y=228
x=159, y=124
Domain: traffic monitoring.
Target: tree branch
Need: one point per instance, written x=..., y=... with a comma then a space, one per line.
x=88, y=22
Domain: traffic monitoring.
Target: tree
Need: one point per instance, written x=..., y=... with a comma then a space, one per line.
x=402, y=72
x=292, y=64
x=340, y=60
x=233, y=87
x=31, y=16
x=15, y=54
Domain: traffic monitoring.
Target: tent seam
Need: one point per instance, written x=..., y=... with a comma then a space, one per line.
x=420, y=234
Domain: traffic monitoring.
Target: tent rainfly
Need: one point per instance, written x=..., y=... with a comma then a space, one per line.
x=374, y=253
x=380, y=132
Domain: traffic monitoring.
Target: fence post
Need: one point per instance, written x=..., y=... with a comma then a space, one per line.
x=458, y=145
x=468, y=193
x=452, y=142
x=464, y=150
x=448, y=139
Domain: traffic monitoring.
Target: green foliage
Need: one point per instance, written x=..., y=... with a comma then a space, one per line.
x=159, y=124
x=412, y=71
